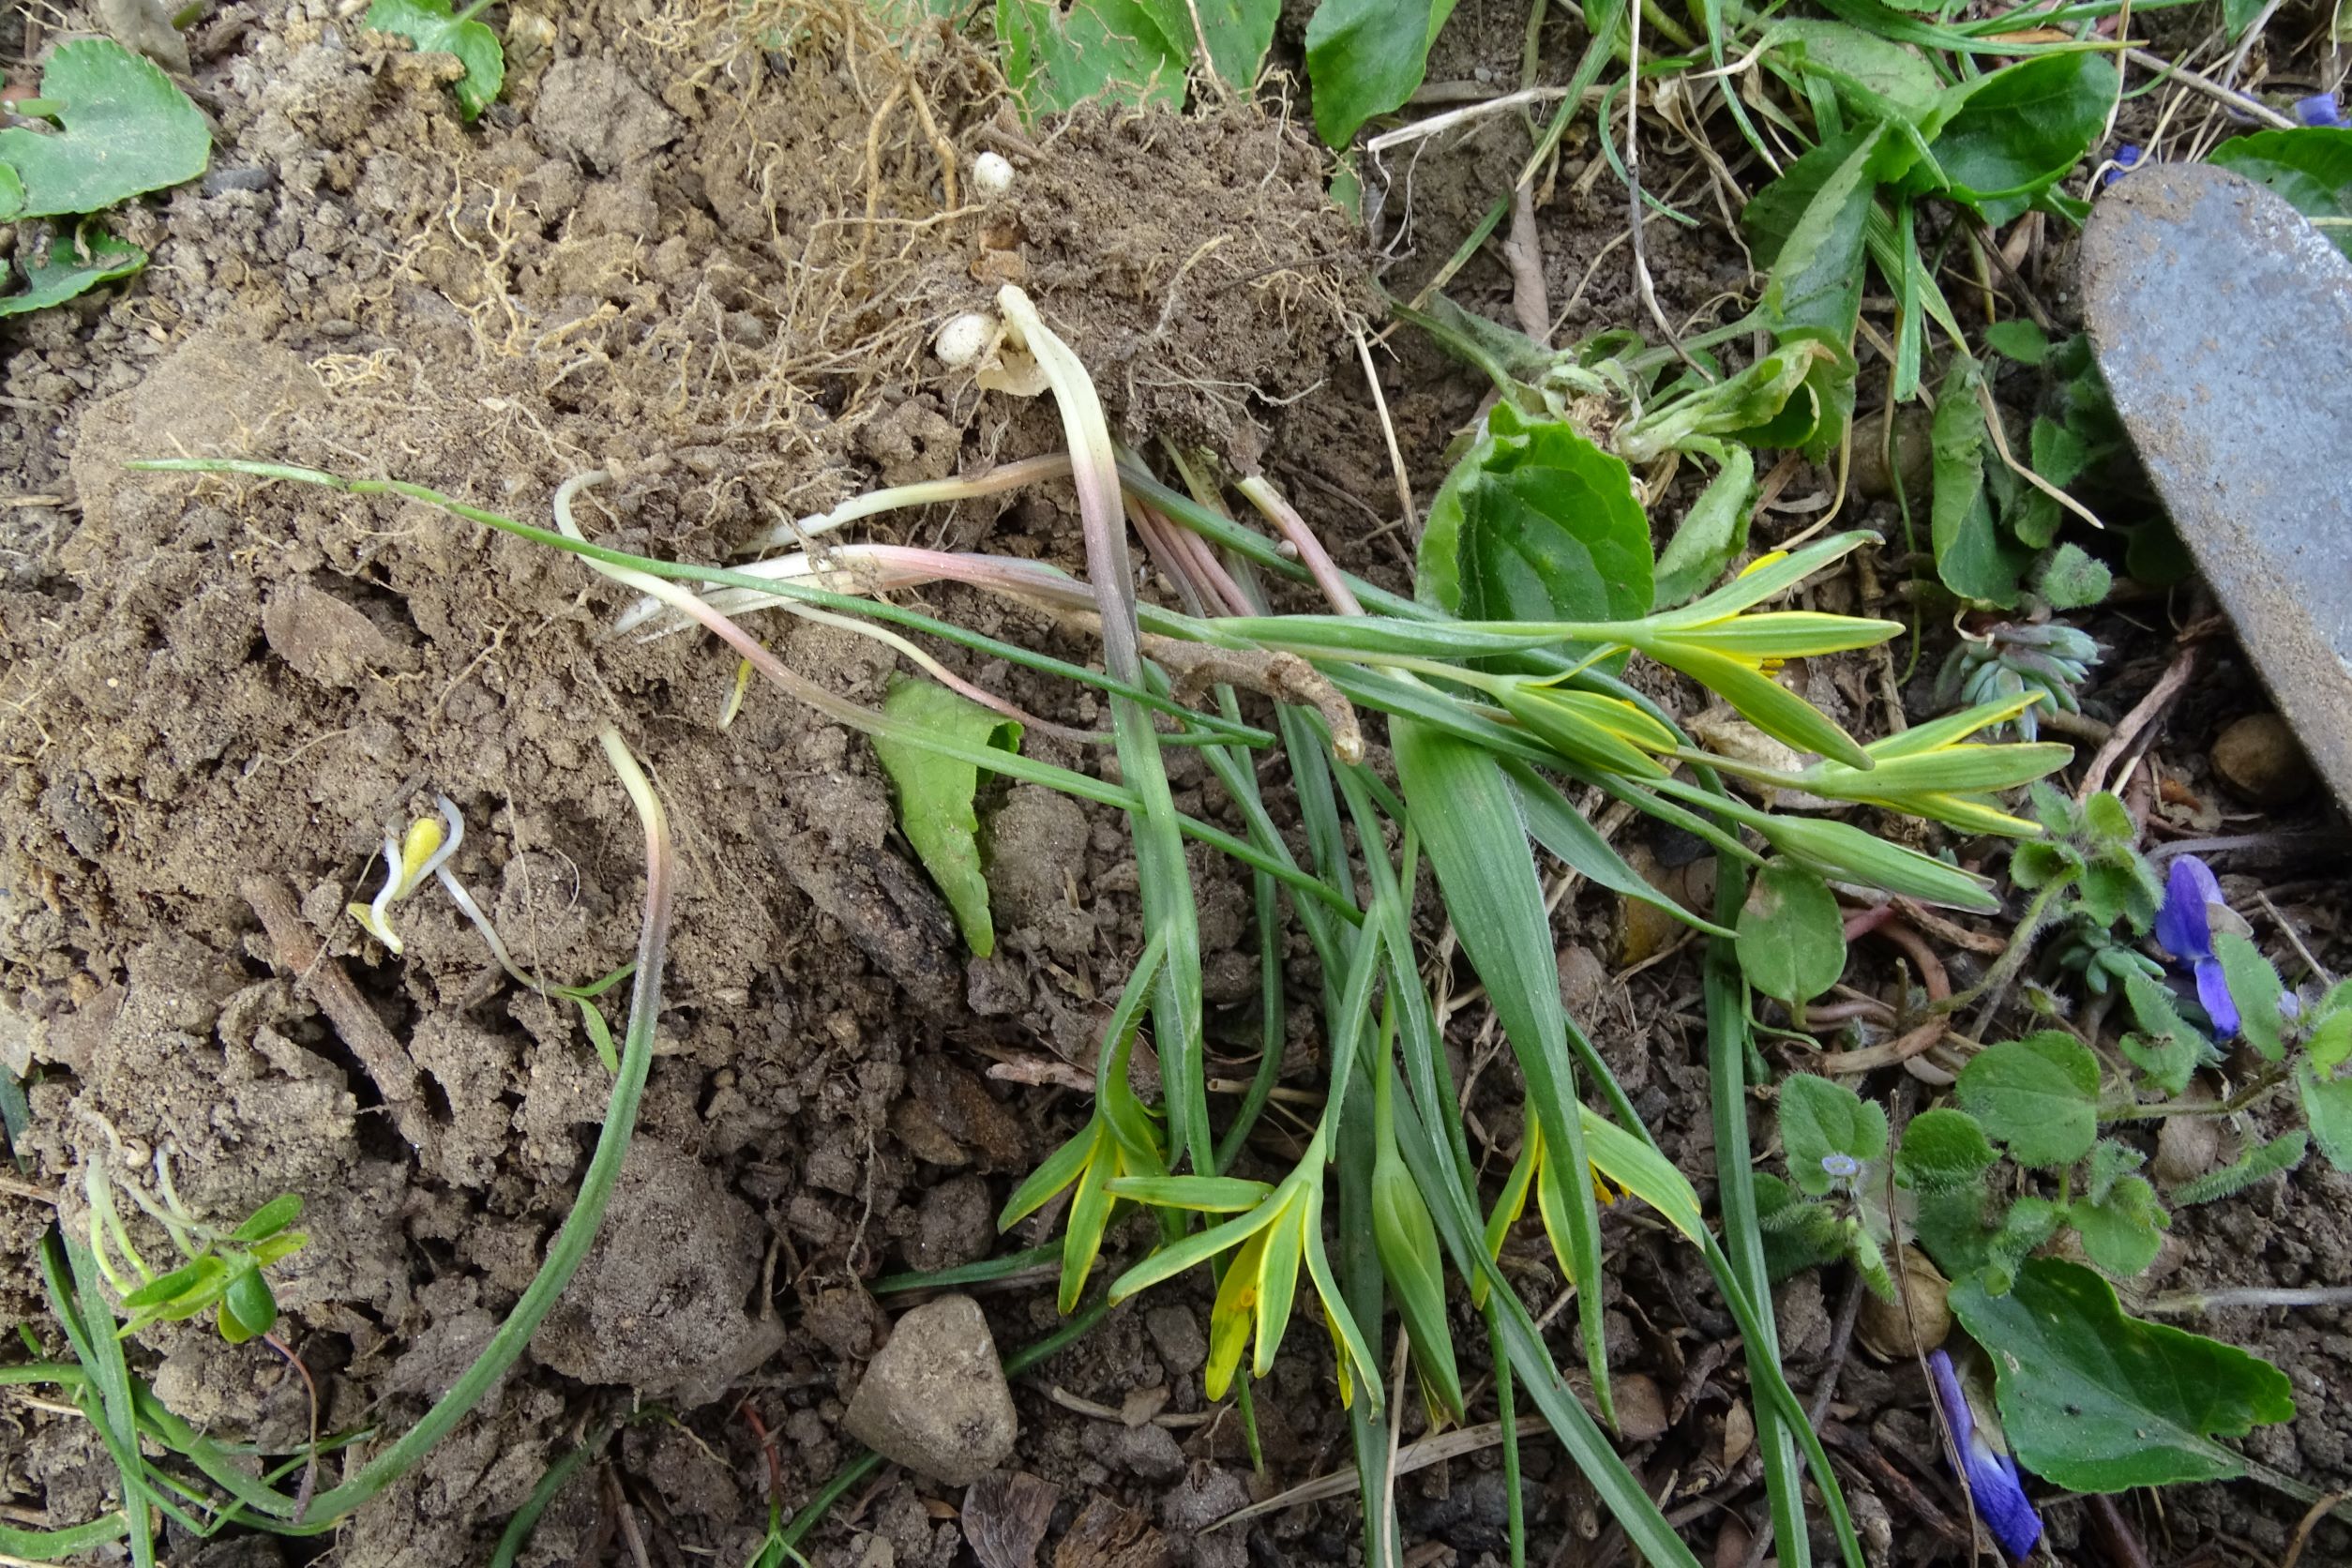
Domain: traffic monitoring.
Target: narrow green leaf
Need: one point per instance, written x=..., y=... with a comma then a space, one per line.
x=1816, y=253
x=126, y=130
x=1973, y=557
x=2282, y=1153
x=935, y=794
x=1213, y=1195
x=2096, y=1401
x=180, y=1282
x=434, y=29
x=269, y=1220
x=1562, y=830
x=1712, y=534
x=1467, y=815
x=2039, y=1095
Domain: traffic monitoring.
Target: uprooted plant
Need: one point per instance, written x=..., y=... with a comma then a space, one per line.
x=1498, y=689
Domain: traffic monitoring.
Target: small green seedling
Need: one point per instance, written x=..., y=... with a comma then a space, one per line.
x=223, y=1272
x=434, y=30
x=424, y=851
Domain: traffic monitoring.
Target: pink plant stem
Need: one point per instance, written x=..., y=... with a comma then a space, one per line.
x=1292, y=527
x=1207, y=569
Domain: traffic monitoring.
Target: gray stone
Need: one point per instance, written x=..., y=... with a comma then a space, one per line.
x=935, y=1399
x=1176, y=1334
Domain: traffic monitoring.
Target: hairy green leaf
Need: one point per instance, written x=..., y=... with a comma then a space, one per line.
x=1823, y=1122
x=434, y=29
x=1943, y=1149
x=1364, y=57
x=2168, y=1049
x=935, y=795
x=2039, y=1095
x=2094, y=1400
x=1792, y=937
x=2072, y=578
x=2282, y=1153
x=2328, y=1106
x=126, y=130
x=2122, y=1229
x=2256, y=986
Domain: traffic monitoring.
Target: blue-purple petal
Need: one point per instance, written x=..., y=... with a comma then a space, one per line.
x=2000, y=1494
x=2182, y=927
x=2318, y=109
x=1995, y=1483
x=2213, y=994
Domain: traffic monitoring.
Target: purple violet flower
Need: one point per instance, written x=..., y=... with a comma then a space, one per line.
x=1995, y=1485
x=2127, y=157
x=2320, y=109
x=2185, y=930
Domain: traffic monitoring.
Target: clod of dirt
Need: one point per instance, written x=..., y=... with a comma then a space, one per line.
x=935, y=1400
x=1147, y=1451
x=1194, y=1503
x=845, y=1320
x=220, y=390
x=595, y=112
x=2259, y=758
x=328, y=641
x=658, y=1306
x=956, y=1225
x=1175, y=1332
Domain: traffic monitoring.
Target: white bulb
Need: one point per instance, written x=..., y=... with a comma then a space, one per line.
x=992, y=173
x=963, y=340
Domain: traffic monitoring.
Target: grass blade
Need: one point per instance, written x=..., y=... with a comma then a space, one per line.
x=1472, y=831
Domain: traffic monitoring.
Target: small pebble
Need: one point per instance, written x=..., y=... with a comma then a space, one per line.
x=219, y=181
x=2260, y=759
x=963, y=340
x=992, y=173
x=935, y=1399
